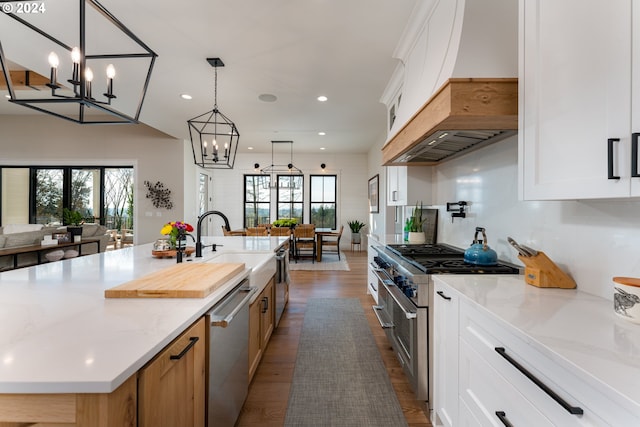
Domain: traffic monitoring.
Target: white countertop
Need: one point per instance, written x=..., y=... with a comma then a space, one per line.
x=387, y=239
x=60, y=335
x=578, y=330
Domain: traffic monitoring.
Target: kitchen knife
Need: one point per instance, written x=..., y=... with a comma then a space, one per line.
x=531, y=252
x=519, y=248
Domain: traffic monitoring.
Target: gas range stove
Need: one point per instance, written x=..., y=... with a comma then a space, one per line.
x=445, y=259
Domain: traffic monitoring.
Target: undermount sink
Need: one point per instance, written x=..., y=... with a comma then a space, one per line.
x=262, y=265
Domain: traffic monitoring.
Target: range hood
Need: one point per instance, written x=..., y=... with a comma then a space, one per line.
x=463, y=115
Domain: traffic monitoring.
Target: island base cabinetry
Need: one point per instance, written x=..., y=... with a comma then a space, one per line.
x=261, y=324
x=168, y=391
x=171, y=387
x=116, y=409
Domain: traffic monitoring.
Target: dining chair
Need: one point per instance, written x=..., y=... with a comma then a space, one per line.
x=257, y=231
x=280, y=231
x=331, y=242
x=304, y=241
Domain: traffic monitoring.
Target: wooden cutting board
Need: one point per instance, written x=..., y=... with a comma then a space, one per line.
x=185, y=280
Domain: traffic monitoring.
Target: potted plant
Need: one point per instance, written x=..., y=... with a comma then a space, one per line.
x=285, y=222
x=355, y=227
x=415, y=222
x=73, y=220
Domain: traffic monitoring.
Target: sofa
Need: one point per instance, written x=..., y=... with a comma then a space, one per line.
x=32, y=234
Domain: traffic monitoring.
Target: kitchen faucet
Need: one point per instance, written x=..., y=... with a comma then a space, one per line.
x=199, y=229
x=180, y=249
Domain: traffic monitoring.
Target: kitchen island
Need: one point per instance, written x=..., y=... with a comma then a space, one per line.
x=61, y=336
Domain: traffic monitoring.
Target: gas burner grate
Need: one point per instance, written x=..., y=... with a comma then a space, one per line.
x=432, y=250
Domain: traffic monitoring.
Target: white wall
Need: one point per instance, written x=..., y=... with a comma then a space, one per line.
x=45, y=140
x=592, y=240
x=377, y=221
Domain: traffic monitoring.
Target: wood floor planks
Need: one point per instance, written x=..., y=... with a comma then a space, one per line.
x=266, y=404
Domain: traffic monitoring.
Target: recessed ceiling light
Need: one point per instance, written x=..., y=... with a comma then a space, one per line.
x=7, y=96
x=186, y=96
x=322, y=98
x=322, y=133
x=267, y=97
x=322, y=148
x=249, y=148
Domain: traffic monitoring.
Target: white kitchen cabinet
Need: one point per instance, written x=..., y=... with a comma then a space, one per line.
x=493, y=356
x=490, y=398
x=487, y=368
x=576, y=87
x=372, y=279
x=445, y=357
x=408, y=185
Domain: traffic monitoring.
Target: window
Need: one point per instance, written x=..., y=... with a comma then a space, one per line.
x=257, y=200
x=39, y=194
x=322, y=204
x=290, y=197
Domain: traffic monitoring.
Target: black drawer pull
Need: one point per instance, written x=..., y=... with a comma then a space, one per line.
x=575, y=410
x=192, y=342
x=634, y=155
x=610, y=142
x=443, y=295
x=503, y=417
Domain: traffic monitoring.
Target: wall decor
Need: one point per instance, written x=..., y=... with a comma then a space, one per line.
x=373, y=194
x=160, y=196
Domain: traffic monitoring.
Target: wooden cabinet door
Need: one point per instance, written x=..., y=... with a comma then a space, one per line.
x=445, y=358
x=171, y=387
x=267, y=313
x=575, y=95
x=255, y=336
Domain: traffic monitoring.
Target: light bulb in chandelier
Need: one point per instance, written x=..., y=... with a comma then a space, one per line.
x=111, y=73
x=53, y=62
x=75, y=74
x=88, y=78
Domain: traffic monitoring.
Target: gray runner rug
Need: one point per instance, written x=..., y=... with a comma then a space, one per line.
x=339, y=377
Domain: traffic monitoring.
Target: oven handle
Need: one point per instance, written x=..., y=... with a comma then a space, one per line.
x=399, y=297
x=379, y=272
x=376, y=309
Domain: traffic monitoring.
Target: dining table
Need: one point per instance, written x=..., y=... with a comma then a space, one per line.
x=320, y=234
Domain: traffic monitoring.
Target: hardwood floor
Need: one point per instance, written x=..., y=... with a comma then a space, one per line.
x=266, y=404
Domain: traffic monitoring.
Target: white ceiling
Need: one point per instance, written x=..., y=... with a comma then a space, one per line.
x=293, y=49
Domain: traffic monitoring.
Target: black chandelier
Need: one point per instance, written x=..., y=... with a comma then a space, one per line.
x=274, y=170
x=77, y=98
x=214, y=137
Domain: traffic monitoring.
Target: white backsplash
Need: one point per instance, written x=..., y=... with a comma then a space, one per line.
x=591, y=240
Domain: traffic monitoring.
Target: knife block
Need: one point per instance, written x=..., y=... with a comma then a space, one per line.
x=540, y=271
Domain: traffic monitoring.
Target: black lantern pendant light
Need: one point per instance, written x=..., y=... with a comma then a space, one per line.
x=214, y=137
x=72, y=98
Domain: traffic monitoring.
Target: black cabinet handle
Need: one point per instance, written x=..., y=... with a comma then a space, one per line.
x=443, y=295
x=503, y=417
x=575, y=410
x=265, y=306
x=634, y=155
x=610, y=142
x=192, y=342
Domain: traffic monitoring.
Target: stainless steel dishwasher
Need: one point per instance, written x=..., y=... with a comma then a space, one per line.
x=228, y=356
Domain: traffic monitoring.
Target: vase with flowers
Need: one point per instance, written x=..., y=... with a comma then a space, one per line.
x=176, y=231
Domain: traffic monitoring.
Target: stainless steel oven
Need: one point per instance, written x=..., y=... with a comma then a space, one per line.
x=404, y=321
x=405, y=293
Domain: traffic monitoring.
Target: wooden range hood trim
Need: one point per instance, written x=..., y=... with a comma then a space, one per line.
x=459, y=104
